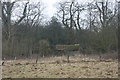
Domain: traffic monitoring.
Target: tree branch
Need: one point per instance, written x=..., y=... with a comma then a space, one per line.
x=24, y=14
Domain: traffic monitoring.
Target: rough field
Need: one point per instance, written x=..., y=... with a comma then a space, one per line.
x=57, y=67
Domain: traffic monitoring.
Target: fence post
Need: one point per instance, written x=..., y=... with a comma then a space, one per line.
x=37, y=59
x=68, y=57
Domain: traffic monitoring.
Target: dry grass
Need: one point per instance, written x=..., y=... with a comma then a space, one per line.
x=57, y=67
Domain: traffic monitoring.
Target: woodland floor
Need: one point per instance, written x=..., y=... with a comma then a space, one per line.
x=57, y=67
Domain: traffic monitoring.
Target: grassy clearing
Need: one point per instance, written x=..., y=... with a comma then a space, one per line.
x=57, y=67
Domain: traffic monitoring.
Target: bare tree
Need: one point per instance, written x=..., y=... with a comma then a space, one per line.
x=9, y=28
x=91, y=15
x=7, y=8
x=106, y=14
x=70, y=14
x=34, y=14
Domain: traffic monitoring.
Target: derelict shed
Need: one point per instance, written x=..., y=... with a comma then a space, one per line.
x=74, y=47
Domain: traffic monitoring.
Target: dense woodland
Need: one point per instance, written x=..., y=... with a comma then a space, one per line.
x=93, y=25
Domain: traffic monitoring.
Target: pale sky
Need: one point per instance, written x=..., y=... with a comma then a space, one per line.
x=50, y=8
x=50, y=5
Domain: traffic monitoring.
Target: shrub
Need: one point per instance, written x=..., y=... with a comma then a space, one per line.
x=44, y=47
